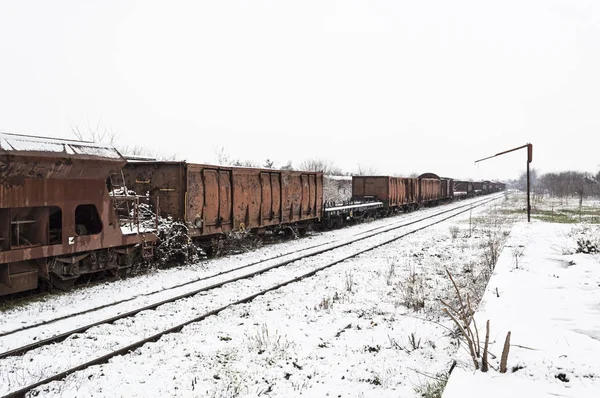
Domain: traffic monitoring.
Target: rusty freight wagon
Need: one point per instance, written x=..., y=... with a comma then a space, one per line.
x=430, y=189
x=463, y=189
x=215, y=199
x=446, y=188
x=478, y=187
x=58, y=220
x=396, y=193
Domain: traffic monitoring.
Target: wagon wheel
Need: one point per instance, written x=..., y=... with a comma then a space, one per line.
x=64, y=285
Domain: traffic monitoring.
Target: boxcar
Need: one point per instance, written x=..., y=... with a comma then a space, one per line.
x=57, y=219
x=214, y=199
x=396, y=193
x=478, y=187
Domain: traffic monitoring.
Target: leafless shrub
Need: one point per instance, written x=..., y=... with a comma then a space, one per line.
x=391, y=272
x=414, y=343
x=325, y=304
x=261, y=340
x=349, y=282
x=395, y=345
x=231, y=386
x=465, y=321
x=413, y=291
x=517, y=253
x=454, y=230
x=491, y=245
x=434, y=387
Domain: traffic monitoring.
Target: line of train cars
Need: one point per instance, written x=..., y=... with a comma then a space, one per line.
x=72, y=208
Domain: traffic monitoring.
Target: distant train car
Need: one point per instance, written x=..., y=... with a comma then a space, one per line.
x=447, y=185
x=213, y=199
x=486, y=187
x=58, y=219
x=463, y=189
x=430, y=189
x=478, y=187
x=396, y=193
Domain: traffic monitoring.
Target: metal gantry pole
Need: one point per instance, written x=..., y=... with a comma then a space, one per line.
x=528, y=195
x=529, y=160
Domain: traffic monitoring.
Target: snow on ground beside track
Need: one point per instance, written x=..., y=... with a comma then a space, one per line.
x=63, y=304
x=549, y=298
x=344, y=332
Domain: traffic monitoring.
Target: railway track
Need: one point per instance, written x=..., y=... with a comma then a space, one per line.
x=309, y=250
x=206, y=301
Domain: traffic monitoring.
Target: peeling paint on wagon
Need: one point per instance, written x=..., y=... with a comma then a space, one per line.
x=392, y=191
x=214, y=199
x=56, y=216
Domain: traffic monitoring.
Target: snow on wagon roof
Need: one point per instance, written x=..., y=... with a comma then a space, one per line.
x=28, y=143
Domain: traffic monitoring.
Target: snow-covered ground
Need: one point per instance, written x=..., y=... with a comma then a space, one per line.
x=548, y=297
x=61, y=304
x=370, y=325
x=44, y=361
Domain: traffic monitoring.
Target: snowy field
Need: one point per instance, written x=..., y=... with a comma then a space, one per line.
x=548, y=296
x=370, y=325
x=562, y=210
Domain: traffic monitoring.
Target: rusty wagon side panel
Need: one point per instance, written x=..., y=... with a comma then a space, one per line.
x=57, y=220
x=371, y=188
x=392, y=191
x=429, y=190
x=447, y=188
x=215, y=199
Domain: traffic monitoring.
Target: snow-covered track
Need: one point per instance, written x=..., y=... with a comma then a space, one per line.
x=403, y=222
x=292, y=256
x=249, y=297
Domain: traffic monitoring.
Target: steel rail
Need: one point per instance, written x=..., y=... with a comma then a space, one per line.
x=62, y=336
x=175, y=329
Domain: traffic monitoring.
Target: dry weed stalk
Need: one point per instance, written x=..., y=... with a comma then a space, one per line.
x=484, y=360
x=504, y=357
x=464, y=319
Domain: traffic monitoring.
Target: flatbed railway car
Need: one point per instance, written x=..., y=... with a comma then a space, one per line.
x=58, y=220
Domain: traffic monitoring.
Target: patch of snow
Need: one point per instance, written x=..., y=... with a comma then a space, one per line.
x=547, y=296
x=16, y=142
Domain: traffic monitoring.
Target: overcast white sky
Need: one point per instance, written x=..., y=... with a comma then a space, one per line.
x=402, y=86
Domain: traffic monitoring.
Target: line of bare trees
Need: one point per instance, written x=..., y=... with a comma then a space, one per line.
x=98, y=133
x=565, y=184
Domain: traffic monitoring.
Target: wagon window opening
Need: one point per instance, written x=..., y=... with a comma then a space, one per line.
x=55, y=226
x=87, y=220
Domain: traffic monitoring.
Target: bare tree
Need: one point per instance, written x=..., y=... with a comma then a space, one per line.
x=222, y=157
x=365, y=171
x=318, y=164
x=288, y=166
x=269, y=164
x=93, y=133
x=103, y=135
